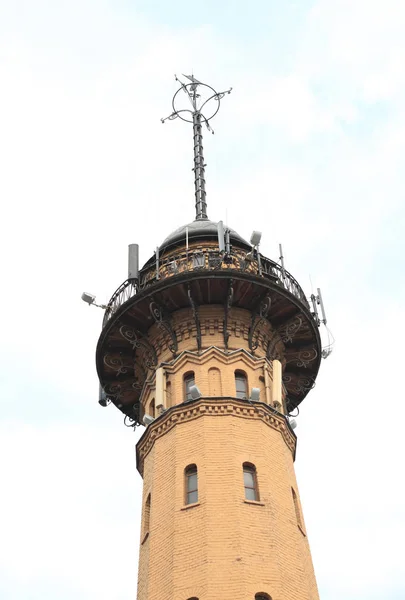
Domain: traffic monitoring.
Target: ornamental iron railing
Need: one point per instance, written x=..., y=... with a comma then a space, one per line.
x=205, y=259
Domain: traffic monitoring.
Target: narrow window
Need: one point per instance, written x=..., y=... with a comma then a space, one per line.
x=241, y=384
x=189, y=381
x=262, y=596
x=297, y=509
x=152, y=407
x=191, y=484
x=250, y=482
x=146, y=518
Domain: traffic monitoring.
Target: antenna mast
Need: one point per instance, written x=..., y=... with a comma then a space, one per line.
x=201, y=96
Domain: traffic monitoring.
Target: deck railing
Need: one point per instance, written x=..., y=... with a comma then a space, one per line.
x=205, y=259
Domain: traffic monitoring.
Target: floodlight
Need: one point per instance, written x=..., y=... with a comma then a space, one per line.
x=255, y=394
x=195, y=392
x=89, y=298
x=147, y=420
x=255, y=238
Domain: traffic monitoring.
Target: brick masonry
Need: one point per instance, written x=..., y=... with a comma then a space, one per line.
x=223, y=547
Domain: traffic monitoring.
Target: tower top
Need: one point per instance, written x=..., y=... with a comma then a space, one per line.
x=205, y=103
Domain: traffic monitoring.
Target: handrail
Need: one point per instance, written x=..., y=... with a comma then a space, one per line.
x=205, y=259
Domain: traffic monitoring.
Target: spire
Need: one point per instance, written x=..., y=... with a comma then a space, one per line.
x=205, y=103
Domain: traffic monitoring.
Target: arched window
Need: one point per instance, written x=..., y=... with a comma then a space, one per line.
x=241, y=385
x=152, y=407
x=250, y=482
x=191, y=484
x=297, y=509
x=146, y=516
x=262, y=596
x=189, y=381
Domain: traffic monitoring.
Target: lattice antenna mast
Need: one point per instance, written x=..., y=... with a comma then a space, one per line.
x=202, y=97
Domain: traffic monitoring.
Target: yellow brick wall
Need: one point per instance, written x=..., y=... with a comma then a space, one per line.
x=223, y=547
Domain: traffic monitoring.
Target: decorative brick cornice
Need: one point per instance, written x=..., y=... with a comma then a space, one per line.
x=223, y=357
x=188, y=411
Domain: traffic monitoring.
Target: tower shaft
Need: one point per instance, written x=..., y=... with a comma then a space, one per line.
x=218, y=541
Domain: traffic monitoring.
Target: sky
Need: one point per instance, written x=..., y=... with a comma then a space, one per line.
x=308, y=148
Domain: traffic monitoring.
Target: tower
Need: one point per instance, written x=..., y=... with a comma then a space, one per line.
x=212, y=346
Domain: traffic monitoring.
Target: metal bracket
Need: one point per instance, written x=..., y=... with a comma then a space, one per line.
x=163, y=321
x=259, y=315
x=228, y=305
x=194, y=309
x=271, y=353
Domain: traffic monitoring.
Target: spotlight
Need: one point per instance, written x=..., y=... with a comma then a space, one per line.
x=255, y=394
x=89, y=298
x=147, y=420
x=195, y=392
x=293, y=423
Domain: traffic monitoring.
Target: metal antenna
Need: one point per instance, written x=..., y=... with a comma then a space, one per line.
x=200, y=96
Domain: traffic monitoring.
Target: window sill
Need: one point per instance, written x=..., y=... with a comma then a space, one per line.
x=187, y=506
x=254, y=502
x=145, y=537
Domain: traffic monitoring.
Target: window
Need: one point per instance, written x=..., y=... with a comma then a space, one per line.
x=241, y=384
x=146, y=517
x=262, y=596
x=188, y=382
x=191, y=484
x=250, y=482
x=297, y=509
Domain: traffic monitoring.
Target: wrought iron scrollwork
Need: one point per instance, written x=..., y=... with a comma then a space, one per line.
x=258, y=317
x=194, y=309
x=300, y=385
x=137, y=340
x=113, y=391
x=163, y=321
x=117, y=363
x=228, y=304
x=289, y=330
x=303, y=357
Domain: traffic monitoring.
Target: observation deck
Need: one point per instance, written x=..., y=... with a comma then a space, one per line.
x=198, y=276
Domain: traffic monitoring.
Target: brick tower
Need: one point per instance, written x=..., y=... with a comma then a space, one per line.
x=211, y=346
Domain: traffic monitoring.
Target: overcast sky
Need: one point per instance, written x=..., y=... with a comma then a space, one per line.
x=309, y=148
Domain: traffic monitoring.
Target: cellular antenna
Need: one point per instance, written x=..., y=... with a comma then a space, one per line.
x=205, y=103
